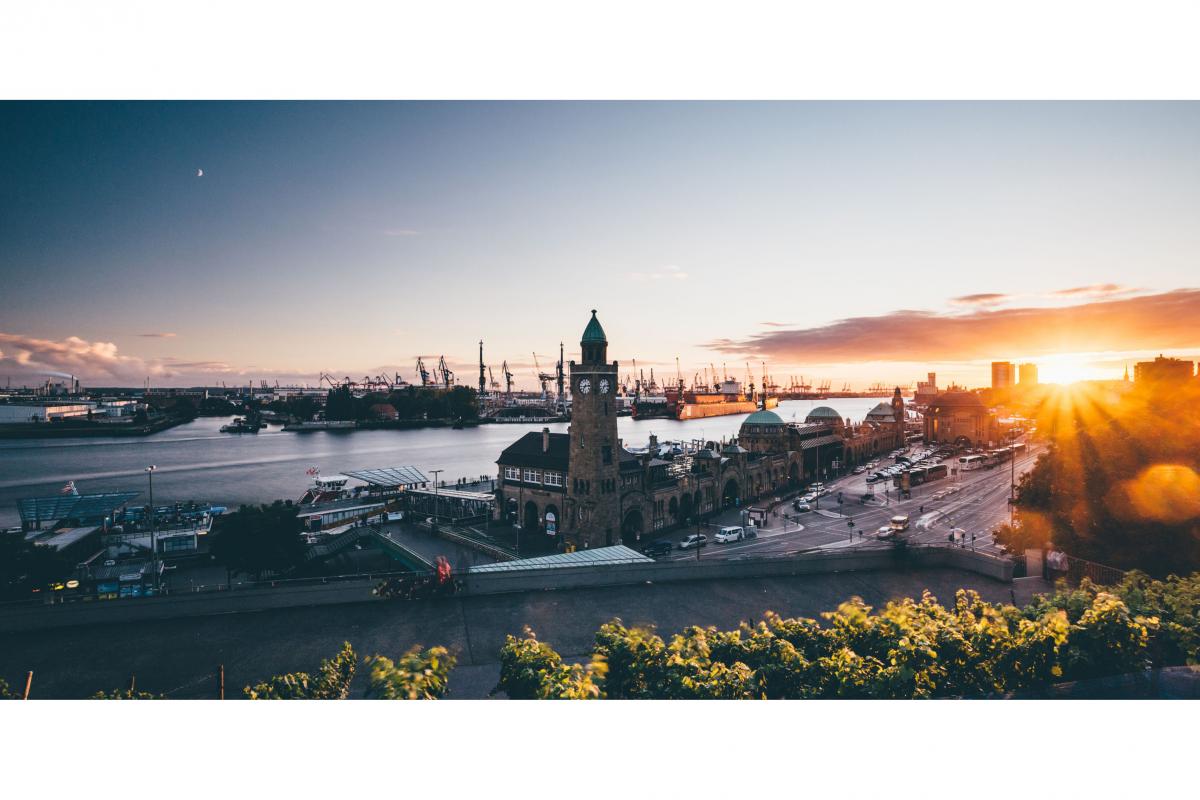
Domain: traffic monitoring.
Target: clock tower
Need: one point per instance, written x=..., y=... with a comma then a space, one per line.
x=593, y=477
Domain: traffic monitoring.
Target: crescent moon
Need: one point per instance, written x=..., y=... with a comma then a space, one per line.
x=199, y=173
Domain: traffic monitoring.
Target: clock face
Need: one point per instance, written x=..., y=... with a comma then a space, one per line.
x=585, y=385
x=604, y=386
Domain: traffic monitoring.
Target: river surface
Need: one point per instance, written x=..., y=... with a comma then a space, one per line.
x=197, y=462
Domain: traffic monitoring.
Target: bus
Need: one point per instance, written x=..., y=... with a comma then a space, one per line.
x=970, y=462
x=936, y=472
x=1018, y=449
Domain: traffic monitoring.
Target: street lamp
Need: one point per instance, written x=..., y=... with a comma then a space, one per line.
x=153, y=528
x=435, y=472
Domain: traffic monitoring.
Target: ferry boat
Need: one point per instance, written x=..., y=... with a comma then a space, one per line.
x=243, y=425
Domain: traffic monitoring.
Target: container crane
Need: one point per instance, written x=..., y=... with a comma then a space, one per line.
x=424, y=373
x=447, y=375
x=508, y=379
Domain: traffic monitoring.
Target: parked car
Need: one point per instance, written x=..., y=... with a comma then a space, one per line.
x=659, y=548
x=730, y=533
x=693, y=540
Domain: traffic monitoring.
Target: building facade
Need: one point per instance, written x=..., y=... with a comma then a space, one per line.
x=1168, y=371
x=1003, y=374
x=960, y=418
x=1028, y=374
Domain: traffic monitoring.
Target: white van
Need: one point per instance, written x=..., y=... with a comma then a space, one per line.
x=731, y=533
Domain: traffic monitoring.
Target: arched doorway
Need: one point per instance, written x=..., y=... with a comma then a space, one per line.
x=673, y=509
x=631, y=527
x=793, y=474
x=530, y=521
x=731, y=495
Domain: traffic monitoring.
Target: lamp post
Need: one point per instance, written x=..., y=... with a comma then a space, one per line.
x=153, y=528
x=435, y=472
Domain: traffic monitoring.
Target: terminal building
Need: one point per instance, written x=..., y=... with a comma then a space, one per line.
x=585, y=489
x=960, y=418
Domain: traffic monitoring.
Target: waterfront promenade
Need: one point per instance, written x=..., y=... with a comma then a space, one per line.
x=177, y=657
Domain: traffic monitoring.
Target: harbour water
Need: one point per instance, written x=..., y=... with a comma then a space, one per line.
x=197, y=462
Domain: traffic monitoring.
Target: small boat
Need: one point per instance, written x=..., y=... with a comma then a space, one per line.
x=242, y=425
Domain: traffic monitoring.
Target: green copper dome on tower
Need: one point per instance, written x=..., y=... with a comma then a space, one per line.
x=593, y=333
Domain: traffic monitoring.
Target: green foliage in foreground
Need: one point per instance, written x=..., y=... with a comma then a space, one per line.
x=125, y=694
x=417, y=675
x=908, y=649
x=332, y=682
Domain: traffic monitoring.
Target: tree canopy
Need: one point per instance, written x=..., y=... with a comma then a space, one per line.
x=258, y=539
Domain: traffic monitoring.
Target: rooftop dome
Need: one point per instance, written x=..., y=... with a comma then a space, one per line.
x=822, y=413
x=763, y=418
x=593, y=333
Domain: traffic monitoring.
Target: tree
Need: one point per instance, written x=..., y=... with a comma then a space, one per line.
x=332, y=682
x=258, y=539
x=417, y=675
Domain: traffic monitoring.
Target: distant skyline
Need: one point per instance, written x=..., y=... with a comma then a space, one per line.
x=195, y=243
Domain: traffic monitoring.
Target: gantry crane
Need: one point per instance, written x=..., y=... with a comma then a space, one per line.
x=424, y=373
x=447, y=375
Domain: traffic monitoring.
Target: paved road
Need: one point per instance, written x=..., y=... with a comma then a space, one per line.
x=978, y=505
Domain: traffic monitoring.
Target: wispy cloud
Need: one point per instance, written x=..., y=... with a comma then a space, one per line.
x=982, y=299
x=670, y=272
x=1151, y=322
x=157, y=335
x=401, y=232
x=1095, y=290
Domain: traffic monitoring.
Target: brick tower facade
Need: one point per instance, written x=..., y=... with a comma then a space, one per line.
x=593, y=480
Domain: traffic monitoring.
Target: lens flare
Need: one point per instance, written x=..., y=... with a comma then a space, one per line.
x=1166, y=493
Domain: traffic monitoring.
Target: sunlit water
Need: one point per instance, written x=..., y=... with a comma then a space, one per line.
x=197, y=462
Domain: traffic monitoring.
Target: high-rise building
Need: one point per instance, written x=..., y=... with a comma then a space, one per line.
x=1163, y=370
x=1003, y=374
x=1028, y=374
x=593, y=496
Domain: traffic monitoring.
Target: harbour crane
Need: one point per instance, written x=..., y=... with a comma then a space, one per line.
x=447, y=375
x=424, y=373
x=544, y=378
x=508, y=379
x=495, y=384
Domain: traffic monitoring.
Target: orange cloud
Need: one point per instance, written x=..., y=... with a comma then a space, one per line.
x=1163, y=321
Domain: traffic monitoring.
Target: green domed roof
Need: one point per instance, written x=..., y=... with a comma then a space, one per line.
x=763, y=418
x=822, y=412
x=593, y=333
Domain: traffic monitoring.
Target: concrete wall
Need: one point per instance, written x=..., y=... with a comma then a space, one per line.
x=28, y=617
x=807, y=564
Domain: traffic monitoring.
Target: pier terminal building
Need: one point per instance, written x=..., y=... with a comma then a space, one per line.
x=585, y=489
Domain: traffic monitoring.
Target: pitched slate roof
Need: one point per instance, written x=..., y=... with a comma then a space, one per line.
x=527, y=452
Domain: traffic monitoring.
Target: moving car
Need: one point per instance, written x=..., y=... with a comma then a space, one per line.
x=802, y=507
x=899, y=522
x=659, y=548
x=693, y=540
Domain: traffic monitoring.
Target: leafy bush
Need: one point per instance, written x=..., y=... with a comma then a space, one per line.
x=332, y=682
x=417, y=675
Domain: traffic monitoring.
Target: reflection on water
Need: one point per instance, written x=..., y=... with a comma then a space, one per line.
x=196, y=462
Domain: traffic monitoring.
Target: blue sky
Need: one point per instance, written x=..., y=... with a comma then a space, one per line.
x=351, y=237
